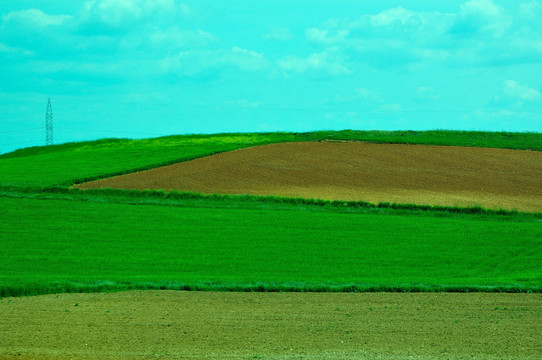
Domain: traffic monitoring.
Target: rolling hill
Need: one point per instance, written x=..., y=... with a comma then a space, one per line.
x=357, y=171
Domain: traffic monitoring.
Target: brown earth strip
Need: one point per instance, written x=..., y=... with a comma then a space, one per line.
x=207, y=325
x=418, y=174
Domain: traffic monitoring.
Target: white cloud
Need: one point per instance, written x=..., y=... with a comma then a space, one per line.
x=529, y=20
x=481, y=34
x=279, y=34
x=391, y=38
x=515, y=97
x=393, y=53
x=113, y=16
x=329, y=61
x=203, y=62
x=394, y=15
x=185, y=9
x=6, y=49
x=111, y=12
x=11, y=50
x=514, y=90
x=124, y=28
x=175, y=37
x=244, y=59
x=361, y=95
x=427, y=93
x=482, y=16
x=393, y=107
x=369, y=94
x=531, y=9
x=400, y=23
x=35, y=32
x=33, y=18
x=320, y=36
x=242, y=104
x=123, y=35
x=481, y=8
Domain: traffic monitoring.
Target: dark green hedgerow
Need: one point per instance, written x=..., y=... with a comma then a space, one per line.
x=297, y=201
x=110, y=286
x=178, y=195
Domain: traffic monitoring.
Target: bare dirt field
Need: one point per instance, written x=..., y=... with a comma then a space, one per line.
x=214, y=325
x=419, y=174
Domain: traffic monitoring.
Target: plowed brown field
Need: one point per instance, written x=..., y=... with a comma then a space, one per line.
x=418, y=174
x=205, y=325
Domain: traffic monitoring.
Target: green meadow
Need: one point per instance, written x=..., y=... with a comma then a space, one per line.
x=60, y=240
x=60, y=245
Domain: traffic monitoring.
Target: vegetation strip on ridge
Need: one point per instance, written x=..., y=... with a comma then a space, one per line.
x=69, y=163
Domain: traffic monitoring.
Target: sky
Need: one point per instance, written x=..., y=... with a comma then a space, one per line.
x=147, y=68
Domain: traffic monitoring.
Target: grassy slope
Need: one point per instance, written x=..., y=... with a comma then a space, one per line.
x=58, y=245
x=61, y=164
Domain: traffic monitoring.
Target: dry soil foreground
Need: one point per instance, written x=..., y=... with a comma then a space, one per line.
x=208, y=325
x=419, y=174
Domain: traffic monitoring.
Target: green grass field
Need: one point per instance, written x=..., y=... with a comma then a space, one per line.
x=58, y=244
x=60, y=241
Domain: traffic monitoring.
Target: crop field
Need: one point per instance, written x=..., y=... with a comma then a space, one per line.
x=413, y=174
x=227, y=276
x=214, y=325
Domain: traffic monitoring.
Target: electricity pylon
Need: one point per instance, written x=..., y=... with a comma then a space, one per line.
x=49, y=124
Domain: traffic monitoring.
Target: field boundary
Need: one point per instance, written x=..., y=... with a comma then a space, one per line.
x=138, y=169
x=112, y=286
x=172, y=198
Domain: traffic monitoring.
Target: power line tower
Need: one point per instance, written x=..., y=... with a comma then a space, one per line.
x=49, y=124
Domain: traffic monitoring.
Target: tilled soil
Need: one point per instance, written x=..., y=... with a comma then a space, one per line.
x=419, y=174
x=214, y=325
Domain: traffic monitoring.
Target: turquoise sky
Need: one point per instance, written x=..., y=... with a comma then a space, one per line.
x=141, y=68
